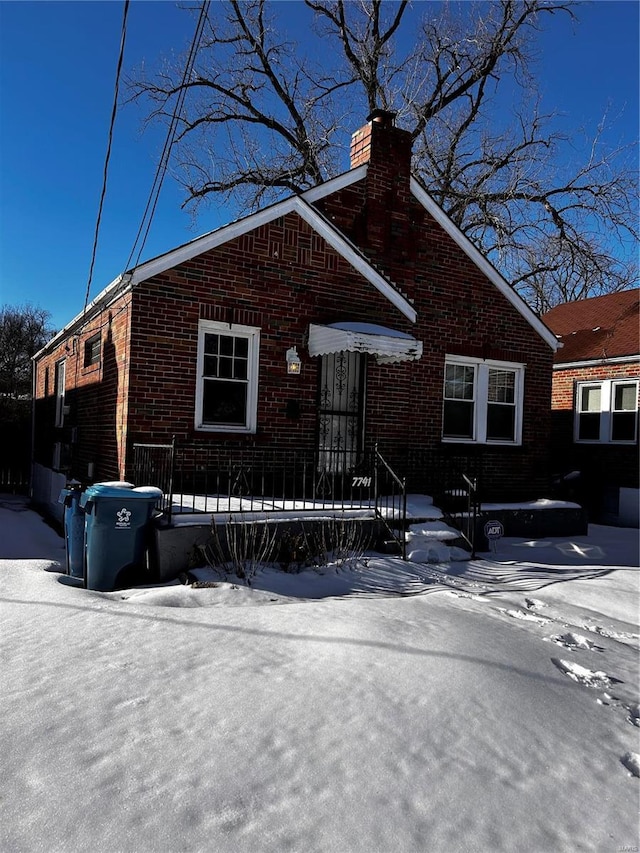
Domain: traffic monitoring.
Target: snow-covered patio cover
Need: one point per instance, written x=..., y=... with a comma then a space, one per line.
x=388, y=345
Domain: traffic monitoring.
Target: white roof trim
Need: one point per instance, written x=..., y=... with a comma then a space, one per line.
x=335, y=184
x=213, y=239
x=482, y=263
x=388, y=345
x=596, y=362
x=242, y=226
x=312, y=217
x=352, y=255
x=118, y=287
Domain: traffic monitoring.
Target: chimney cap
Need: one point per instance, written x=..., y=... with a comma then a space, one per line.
x=380, y=116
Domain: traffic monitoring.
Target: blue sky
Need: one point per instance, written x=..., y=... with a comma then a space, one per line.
x=57, y=71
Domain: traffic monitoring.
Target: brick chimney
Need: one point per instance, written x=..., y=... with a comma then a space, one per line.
x=380, y=142
x=387, y=151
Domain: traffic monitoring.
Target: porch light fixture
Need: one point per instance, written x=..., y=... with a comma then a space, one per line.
x=294, y=365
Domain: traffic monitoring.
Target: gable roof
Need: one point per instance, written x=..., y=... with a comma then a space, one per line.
x=294, y=204
x=485, y=266
x=316, y=220
x=603, y=327
x=303, y=205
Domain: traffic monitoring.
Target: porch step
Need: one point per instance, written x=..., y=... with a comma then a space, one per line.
x=432, y=540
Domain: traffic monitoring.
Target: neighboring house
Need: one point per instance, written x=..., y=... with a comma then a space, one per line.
x=354, y=313
x=595, y=401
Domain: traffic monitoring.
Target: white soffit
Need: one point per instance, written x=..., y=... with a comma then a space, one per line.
x=312, y=217
x=242, y=226
x=297, y=204
x=483, y=264
x=388, y=345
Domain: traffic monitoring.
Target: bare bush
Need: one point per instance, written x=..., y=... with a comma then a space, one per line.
x=243, y=548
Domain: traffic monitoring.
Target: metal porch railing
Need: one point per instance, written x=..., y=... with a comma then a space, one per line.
x=198, y=478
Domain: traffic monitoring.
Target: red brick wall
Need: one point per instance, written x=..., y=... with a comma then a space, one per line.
x=95, y=428
x=276, y=278
x=602, y=465
x=459, y=312
x=565, y=380
x=281, y=277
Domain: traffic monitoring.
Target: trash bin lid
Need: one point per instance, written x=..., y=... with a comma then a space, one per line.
x=116, y=484
x=148, y=492
x=106, y=490
x=122, y=491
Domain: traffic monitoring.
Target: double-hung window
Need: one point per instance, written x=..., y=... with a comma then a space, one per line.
x=607, y=411
x=92, y=348
x=227, y=390
x=482, y=401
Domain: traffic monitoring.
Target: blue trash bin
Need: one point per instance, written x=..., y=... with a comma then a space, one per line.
x=73, y=529
x=116, y=534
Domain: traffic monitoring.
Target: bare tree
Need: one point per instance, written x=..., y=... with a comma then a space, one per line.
x=23, y=331
x=264, y=116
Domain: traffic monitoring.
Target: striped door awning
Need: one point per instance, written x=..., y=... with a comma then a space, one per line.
x=387, y=345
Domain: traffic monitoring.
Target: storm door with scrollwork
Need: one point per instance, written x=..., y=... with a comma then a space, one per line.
x=341, y=410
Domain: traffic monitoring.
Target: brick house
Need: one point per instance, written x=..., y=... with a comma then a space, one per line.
x=595, y=401
x=354, y=313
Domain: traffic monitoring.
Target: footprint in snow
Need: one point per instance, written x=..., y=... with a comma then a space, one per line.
x=631, y=761
x=608, y=699
x=634, y=714
x=133, y=703
x=576, y=641
x=613, y=635
x=526, y=617
x=599, y=680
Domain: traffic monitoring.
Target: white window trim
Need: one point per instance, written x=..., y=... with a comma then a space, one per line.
x=481, y=388
x=607, y=389
x=252, y=333
x=60, y=383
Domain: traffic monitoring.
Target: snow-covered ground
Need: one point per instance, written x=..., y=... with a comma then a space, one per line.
x=490, y=705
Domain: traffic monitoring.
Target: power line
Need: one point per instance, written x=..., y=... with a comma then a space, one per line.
x=108, y=154
x=161, y=171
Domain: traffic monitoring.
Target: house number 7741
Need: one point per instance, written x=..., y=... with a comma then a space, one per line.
x=359, y=482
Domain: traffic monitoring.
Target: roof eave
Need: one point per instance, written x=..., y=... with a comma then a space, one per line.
x=597, y=362
x=299, y=204
x=482, y=263
x=112, y=291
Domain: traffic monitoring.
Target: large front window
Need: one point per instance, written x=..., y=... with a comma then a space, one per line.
x=227, y=377
x=482, y=401
x=607, y=411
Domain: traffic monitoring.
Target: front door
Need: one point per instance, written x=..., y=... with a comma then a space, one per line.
x=341, y=410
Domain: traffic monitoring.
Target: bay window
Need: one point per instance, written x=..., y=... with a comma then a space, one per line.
x=227, y=389
x=482, y=401
x=607, y=411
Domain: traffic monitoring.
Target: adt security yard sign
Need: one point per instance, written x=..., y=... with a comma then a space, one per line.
x=493, y=530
